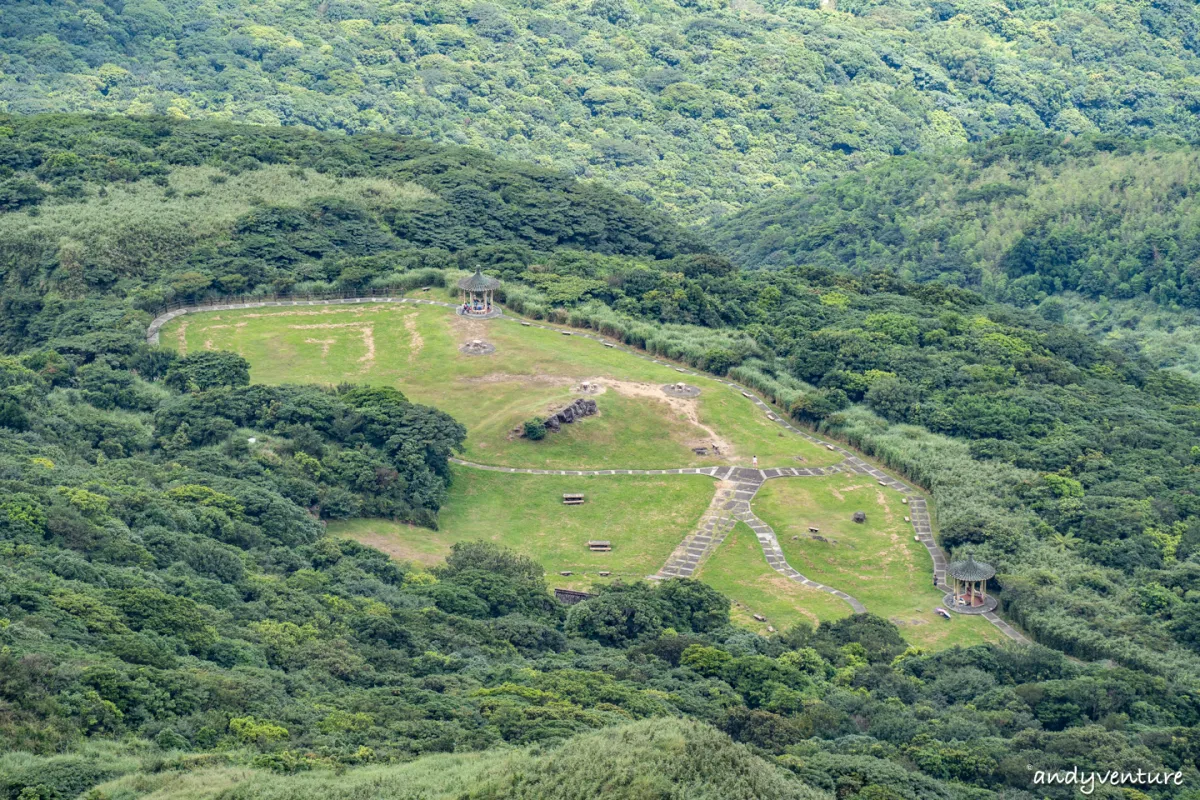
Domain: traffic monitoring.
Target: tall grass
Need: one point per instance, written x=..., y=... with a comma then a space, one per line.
x=659, y=758
x=777, y=386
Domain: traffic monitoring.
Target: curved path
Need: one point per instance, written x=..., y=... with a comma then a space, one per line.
x=729, y=506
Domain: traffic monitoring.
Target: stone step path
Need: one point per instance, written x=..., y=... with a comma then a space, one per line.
x=714, y=526
x=748, y=486
x=1005, y=628
x=919, y=513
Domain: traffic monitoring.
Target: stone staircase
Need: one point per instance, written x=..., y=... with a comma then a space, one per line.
x=715, y=524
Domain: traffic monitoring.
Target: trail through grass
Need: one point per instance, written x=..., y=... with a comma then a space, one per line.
x=739, y=570
x=877, y=562
x=532, y=373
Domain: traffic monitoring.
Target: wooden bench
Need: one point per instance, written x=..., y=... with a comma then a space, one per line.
x=572, y=499
x=600, y=546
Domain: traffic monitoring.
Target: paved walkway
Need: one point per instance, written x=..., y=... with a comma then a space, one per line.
x=725, y=511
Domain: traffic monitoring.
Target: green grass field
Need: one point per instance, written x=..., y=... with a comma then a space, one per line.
x=877, y=562
x=739, y=570
x=644, y=517
x=532, y=372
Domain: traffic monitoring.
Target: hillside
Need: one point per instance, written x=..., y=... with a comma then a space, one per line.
x=699, y=107
x=173, y=609
x=159, y=211
x=654, y=758
x=1018, y=218
x=1017, y=465
x=1102, y=232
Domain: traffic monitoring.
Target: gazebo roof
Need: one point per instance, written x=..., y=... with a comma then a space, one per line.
x=478, y=282
x=971, y=570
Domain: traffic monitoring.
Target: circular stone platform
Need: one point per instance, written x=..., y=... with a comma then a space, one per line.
x=478, y=347
x=989, y=604
x=680, y=390
x=495, y=312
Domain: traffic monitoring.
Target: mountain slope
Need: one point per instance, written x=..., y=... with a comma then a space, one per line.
x=662, y=758
x=1019, y=217
x=170, y=602
x=702, y=106
x=156, y=210
x=1107, y=228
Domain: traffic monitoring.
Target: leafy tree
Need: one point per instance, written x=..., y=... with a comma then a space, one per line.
x=208, y=370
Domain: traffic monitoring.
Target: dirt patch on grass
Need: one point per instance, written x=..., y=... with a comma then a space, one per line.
x=325, y=345
x=784, y=587
x=688, y=408
x=415, y=341
x=881, y=499
x=365, y=329
x=468, y=328
x=327, y=326
x=505, y=377
x=321, y=312
x=181, y=338
x=368, y=358
x=398, y=549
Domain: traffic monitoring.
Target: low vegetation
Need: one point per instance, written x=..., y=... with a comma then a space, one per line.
x=655, y=758
x=877, y=561
x=643, y=518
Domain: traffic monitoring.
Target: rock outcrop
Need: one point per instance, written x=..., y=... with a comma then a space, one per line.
x=582, y=407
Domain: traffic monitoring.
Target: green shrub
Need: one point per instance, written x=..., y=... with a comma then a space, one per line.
x=535, y=430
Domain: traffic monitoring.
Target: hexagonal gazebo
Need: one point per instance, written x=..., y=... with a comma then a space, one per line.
x=969, y=589
x=477, y=293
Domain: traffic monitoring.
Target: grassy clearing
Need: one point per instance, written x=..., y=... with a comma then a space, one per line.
x=739, y=570
x=644, y=518
x=535, y=371
x=532, y=373
x=878, y=561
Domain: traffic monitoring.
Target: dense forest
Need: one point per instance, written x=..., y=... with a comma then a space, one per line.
x=1102, y=232
x=701, y=107
x=1020, y=218
x=170, y=604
